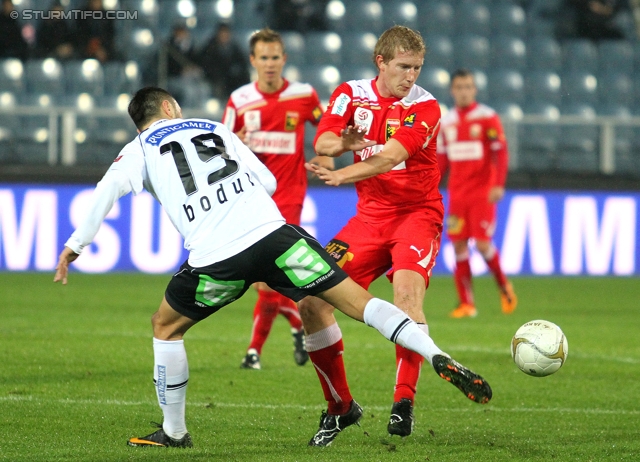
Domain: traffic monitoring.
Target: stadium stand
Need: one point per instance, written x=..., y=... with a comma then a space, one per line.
x=527, y=66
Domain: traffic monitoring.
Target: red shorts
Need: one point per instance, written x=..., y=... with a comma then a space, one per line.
x=466, y=219
x=291, y=213
x=410, y=241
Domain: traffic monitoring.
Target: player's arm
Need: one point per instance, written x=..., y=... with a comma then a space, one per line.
x=113, y=186
x=499, y=156
x=443, y=159
x=391, y=155
x=350, y=139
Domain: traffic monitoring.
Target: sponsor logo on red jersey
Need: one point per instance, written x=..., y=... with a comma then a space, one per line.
x=409, y=120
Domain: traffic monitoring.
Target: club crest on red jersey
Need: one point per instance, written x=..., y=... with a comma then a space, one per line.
x=291, y=121
x=392, y=127
x=492, y=133
x=317, y=113
x=475, y=130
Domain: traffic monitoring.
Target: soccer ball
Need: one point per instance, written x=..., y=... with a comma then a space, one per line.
x=539, y=348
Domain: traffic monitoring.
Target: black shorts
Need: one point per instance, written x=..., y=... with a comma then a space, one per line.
x=289, y=260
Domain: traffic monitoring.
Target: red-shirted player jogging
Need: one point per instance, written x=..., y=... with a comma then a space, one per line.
x=474, y=149
x=269, y=116
x=391, y=125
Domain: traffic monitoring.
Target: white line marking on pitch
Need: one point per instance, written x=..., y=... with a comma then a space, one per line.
x=115, y=402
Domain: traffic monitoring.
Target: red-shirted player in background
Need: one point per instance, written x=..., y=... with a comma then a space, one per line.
x=269, y=116
x=391, y=125
x=472, y=146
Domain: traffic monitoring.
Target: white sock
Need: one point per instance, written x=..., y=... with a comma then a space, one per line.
x=396, y=326
x=170, y=375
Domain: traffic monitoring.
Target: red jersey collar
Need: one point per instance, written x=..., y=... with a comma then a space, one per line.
x=275, y=93
x=465, y=110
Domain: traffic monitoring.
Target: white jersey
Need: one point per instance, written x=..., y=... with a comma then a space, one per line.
x=212, y=187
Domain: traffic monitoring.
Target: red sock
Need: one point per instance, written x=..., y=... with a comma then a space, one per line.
x=408, y=364
x=264, y=313
x=326, y=354
x=289, y=310
x=494, y=266
x=462, y=278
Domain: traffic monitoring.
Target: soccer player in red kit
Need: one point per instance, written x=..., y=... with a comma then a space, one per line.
x=391, y=125
x=269, y=116
x=473, y=148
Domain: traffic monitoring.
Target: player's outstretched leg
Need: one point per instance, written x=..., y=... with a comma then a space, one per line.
x=160, y=439
x=468, y=382
x=331, y=425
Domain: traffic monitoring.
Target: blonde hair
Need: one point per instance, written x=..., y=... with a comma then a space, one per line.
x=398, y=38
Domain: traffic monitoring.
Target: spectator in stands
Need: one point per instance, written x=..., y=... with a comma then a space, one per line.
x=96, y=36
x=12, y=44
x=55, y=37
x=181, y=54
x=224, y=63
x=595, y=19
x=299, y=15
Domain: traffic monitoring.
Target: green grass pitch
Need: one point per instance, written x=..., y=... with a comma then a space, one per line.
x=76, y=378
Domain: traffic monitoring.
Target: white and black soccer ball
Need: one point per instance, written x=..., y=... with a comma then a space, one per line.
x=539, y=348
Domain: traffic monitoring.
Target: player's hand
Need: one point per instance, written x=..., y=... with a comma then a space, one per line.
x=65, y=258
x=330, y=177
x=243, y=135
x=496, y=193
x=353, y=138
x=323, y=161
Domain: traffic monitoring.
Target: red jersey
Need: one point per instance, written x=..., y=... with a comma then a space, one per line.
x=413, y=121
x=473, y=147
x=275, y=126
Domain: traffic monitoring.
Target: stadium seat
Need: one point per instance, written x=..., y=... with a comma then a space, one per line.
x=539, y=26
x=171, y=13
x=147, y=12
x=11, y=75
x=616, y=55
x=44, y=76
x=508, y=110
x=578, y=146
x=579, y=87
x=327, y=48
x=357, y=47
x=9, y=124
x=508, y=52
x=84, y=77
x=401, y=12
x=100, y=139
x=31, y=139
x=362, y=15
x=627, y=147
x=121, y=78
x=295, y=47
x=139, y=44
x=439, y=51
x=543, y=53
x=350, y=71
x=508, y=18
x=537, y=142
x=614, y=87
x=472, y=17
x=543, y=86
x=209, y=13
x=436, y=81
x=505, y=85
x=436, y=17
x=472, y=52
x=579, y=55
x=323, y=78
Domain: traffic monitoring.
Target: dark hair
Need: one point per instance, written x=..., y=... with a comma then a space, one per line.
x=462, y=72
x=265, y=35
x=146, y=103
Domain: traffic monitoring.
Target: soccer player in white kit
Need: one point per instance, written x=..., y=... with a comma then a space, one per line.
x=217, y=195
